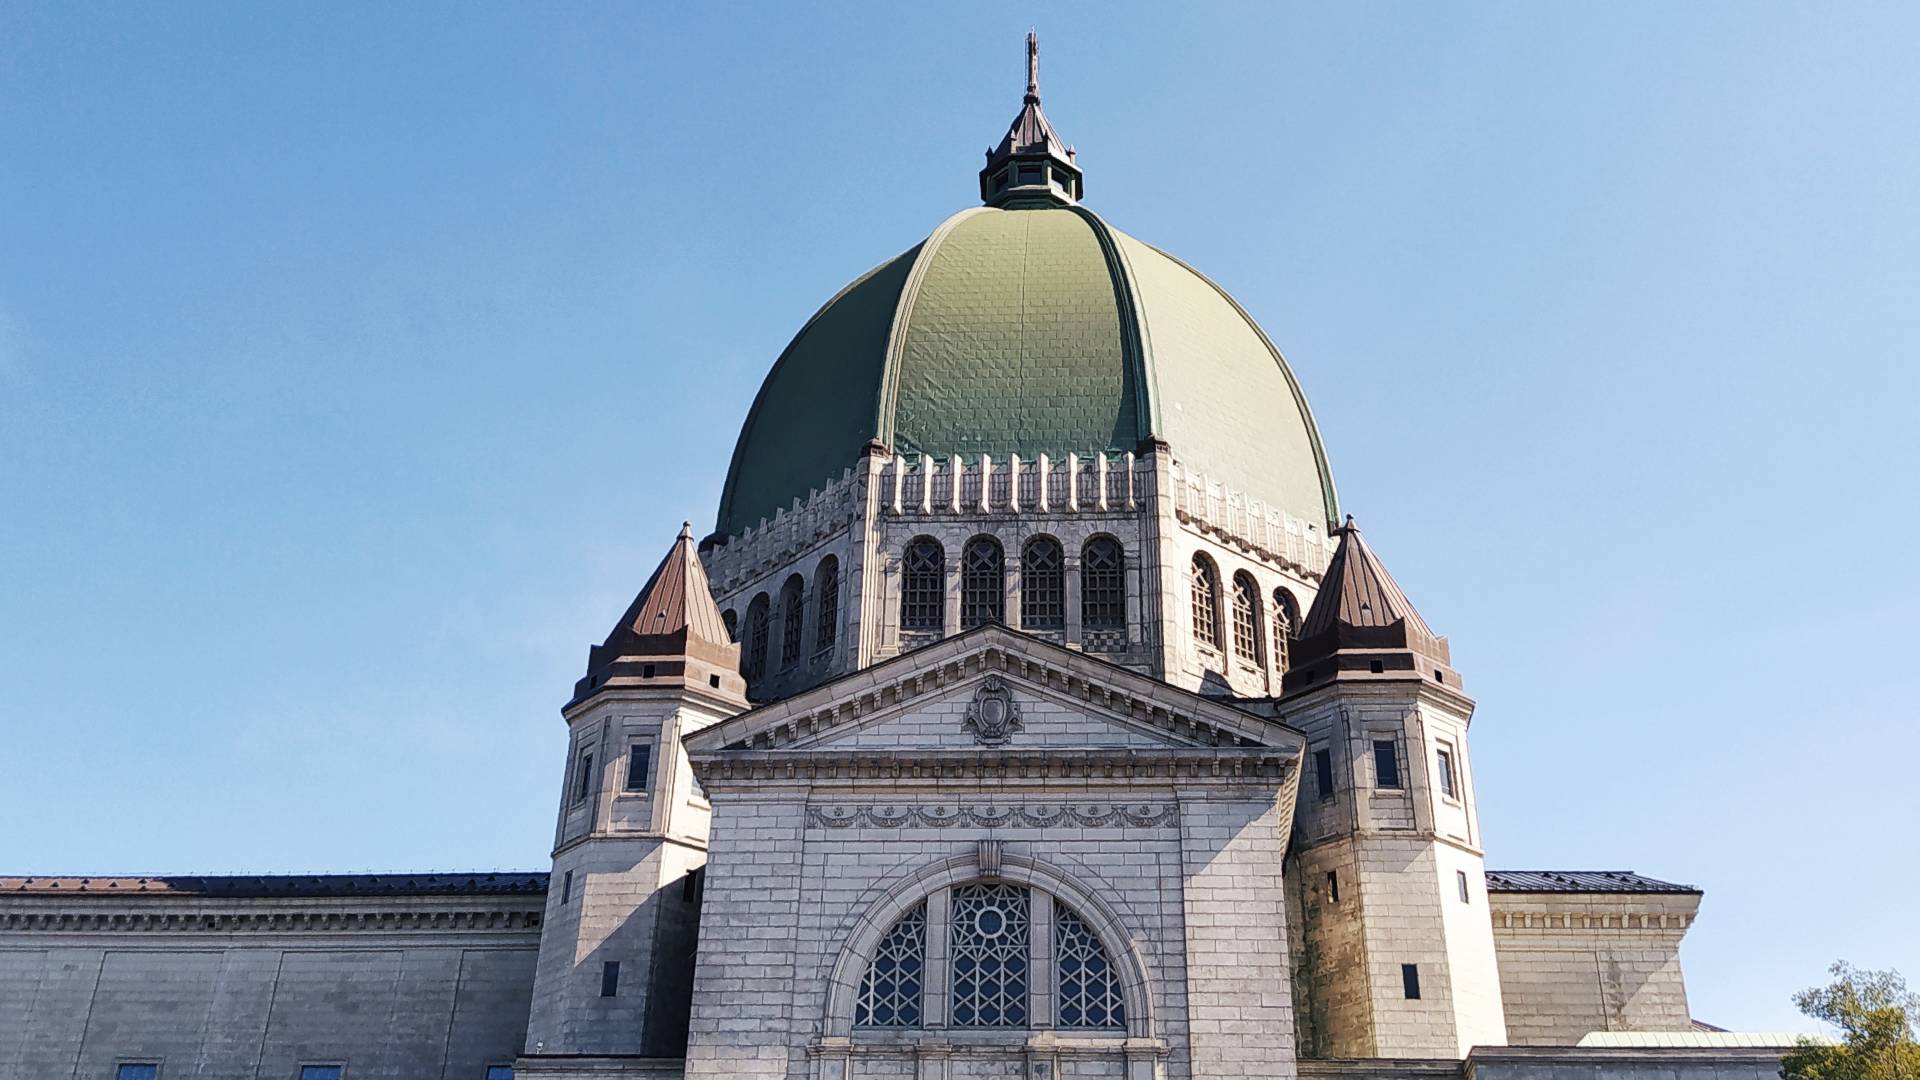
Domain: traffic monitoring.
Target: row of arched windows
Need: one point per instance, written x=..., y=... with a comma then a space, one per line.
x=793, y=620
x=983, y=585
x=1250, y=633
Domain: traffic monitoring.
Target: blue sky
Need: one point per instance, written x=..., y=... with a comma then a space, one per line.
x=358, y=363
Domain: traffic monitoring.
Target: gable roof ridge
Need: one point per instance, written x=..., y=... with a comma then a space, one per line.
x=830, y=704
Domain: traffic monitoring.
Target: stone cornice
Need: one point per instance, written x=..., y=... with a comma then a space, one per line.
x=1637, y=921
x=71, y=915
x=1262, y=766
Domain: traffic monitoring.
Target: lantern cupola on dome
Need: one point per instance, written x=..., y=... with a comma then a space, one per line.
x=1031, y=162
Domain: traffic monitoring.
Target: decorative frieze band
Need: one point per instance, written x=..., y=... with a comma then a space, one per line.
x=1021, y=816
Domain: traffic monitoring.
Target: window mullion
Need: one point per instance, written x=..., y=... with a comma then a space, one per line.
x=1042, y=1009
x=937, y=990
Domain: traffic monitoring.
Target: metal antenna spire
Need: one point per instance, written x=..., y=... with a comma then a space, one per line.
x=1033, y=67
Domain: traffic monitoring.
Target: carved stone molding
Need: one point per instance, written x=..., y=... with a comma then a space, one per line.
x=993, y=716
x=1077, y=816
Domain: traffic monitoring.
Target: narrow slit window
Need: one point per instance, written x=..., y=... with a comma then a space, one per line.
x=639, y=766
x=1410, y=981
x=1443, y=761
x=566, y=888
x=610, y=979
x=1461, y=876
x=1386, y=764
x=1333, y=886
x=1323, y=773
x=583, y=784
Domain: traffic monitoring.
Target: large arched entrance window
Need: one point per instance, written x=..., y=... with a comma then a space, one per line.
x=1015, y=957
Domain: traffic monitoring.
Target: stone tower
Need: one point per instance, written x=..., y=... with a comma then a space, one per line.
x=615, y=970
x=1394, y=943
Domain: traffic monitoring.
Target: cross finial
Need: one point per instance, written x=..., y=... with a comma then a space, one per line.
x=1033, y=66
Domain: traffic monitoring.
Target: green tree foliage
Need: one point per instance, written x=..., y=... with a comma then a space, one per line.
x=1875, y=1013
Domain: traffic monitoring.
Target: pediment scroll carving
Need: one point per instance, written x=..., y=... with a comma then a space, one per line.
x=993, y=716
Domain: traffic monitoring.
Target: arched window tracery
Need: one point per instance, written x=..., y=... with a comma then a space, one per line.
x=757, y=637
x=983, y=583
x=1246, y=618
x=1103, y=590
x=1043, y=599
x=893, y=992
x=1206, y=602
x=923, y=586
x=1286, y=626
x=990, y=965
x=826, y=604
x=793, y=604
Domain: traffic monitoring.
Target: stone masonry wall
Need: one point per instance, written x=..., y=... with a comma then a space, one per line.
x=1573, y=963
x=209, y=1004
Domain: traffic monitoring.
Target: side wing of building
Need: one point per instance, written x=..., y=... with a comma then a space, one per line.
x=393, y=977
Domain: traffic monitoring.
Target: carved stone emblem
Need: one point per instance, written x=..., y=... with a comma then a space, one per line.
x=993, y=716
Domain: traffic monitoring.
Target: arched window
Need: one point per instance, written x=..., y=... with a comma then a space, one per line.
x=1088, y=985
x=1286, y=625
x=1103, y=590
x=892, y=994
x=793, y=607
x=990, y=940
x=826, y=604
x=1206, y=602
x=757, y=638
x=1246, y=617
x=983, y=583
x=1043, y=585
x=990, y=962
x=923, y=586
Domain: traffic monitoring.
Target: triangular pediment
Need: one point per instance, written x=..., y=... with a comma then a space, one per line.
x=994, y=689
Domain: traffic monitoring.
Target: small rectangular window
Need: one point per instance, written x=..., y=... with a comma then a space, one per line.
x=646, y=671
x=1386, y=764
x=1323, y=773
x=138, y=1070
x=1333, y=886
x=566, y=888
x=639, y=766
x=1443, y=760
x=583, y=784
x=499, y=1072
x=610, y=978
x=1410, y=980
x=320, y=1072
x=690, y=885
x=1465, y=898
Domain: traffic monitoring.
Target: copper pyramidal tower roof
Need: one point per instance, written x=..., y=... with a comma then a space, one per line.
x=1362, y=623
x=672, y=620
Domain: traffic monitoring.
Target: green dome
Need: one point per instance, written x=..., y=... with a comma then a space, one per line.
x=1028, y=330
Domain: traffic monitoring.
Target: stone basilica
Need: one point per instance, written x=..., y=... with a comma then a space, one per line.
x=1031, y=711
